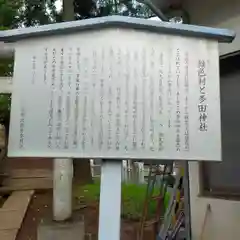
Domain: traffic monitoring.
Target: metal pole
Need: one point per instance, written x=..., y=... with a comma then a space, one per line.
x=187, y=209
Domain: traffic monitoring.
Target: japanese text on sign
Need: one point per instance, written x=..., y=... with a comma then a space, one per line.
x=116, y=99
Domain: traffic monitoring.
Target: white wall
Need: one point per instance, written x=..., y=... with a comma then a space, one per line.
x=223, y=221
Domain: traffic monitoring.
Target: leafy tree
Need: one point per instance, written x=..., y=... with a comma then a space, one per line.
x=9, y=13
x=37, y=12
x=99, y=8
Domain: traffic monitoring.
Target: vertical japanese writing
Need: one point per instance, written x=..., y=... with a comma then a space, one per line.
x=22, y=128
x=110, y=95
x=128, y=100
x=85, y=102
x=118, y=119
x=178, y=113
x=118, y=103
x=60, y=101
x=169, y=89
x=68, y=102
x=100, y=135
x=134, y=110
x=33, y=69
x=53, y=76
x=202, y=106
x=151, y=90
x=50, y=110
x=186, y=111
x=144, y=76
x=70, y=55
x=94, y=75
x=160, y=103
x=76, y=108
x=45, y=63
x=126, y=110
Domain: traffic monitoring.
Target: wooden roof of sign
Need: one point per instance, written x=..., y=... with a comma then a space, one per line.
x=221, y=35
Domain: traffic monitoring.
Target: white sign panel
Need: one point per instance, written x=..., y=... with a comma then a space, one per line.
x=116, y=93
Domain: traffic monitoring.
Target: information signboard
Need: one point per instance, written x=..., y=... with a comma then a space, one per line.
x=116, y=93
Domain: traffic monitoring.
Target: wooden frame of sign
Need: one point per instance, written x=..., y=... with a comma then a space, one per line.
x=116, y=88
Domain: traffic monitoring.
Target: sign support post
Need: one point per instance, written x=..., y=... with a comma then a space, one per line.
x=110, y=200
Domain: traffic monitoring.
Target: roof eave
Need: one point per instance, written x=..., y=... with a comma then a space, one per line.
x=221, y=35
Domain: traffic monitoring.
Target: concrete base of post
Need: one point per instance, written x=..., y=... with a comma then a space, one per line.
x=71, y=230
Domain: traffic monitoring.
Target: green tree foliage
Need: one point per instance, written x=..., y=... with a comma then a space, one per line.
x=5, y=101
x=37, y=12
x=6, y=69
x=9, y=13
x=99, y=8
x=15, y=13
